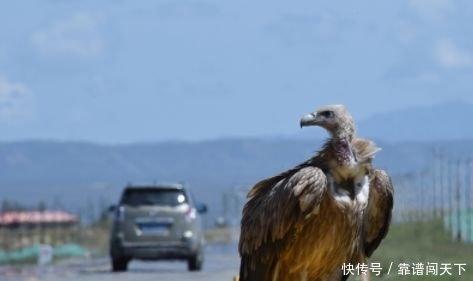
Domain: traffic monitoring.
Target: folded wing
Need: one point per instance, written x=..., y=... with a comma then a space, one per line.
x=378, y=213
x=271, y=215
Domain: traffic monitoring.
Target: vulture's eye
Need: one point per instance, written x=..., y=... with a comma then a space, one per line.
x=326, y=114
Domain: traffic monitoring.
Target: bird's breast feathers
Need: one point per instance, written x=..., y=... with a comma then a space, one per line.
x=352, y=191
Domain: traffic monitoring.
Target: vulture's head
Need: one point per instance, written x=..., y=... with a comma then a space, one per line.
x=334, y=118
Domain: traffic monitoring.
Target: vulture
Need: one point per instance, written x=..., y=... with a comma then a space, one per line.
x=304, y=224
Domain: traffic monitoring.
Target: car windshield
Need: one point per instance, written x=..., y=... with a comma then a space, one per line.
x=153, y=196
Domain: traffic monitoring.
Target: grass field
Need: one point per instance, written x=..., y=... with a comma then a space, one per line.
x=422, y=242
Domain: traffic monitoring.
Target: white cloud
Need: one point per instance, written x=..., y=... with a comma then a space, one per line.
x=447, y=54
x=433, y=9
x=77, y=35
x=16, y=101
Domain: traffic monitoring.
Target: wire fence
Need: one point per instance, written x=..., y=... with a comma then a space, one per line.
x=442, y=191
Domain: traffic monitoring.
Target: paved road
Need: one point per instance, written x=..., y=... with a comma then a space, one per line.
x=221, y=264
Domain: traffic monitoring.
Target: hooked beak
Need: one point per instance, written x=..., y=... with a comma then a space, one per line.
x=309, y=120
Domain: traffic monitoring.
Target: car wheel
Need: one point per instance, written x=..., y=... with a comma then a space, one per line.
x=119, y=264
x=194, y=263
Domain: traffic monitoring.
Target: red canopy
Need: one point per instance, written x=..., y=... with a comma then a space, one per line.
x=36, y=217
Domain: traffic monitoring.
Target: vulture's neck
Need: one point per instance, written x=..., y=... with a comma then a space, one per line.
x=343, y=153
x=341, y=145
x=340, y=158
x=347, y=174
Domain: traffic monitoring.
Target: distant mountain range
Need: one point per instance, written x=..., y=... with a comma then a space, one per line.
x=74, y=174
x=447, y=121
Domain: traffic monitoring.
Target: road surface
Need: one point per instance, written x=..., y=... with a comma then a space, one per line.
x=221, y=264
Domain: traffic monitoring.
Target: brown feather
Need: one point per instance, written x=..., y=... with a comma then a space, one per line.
x=301, y=225
x=377, y=217
x=281, y=212
x=378, y=213
x=365, y=149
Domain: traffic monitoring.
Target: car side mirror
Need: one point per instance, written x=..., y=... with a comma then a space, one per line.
x=201, y=208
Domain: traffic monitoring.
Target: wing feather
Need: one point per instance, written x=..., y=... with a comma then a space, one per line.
x=269, y=217
x=378, y=213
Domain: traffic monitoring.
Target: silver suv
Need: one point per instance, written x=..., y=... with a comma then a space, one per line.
x=154, y=223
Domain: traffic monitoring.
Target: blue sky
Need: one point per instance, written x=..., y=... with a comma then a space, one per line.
x=125, y=71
